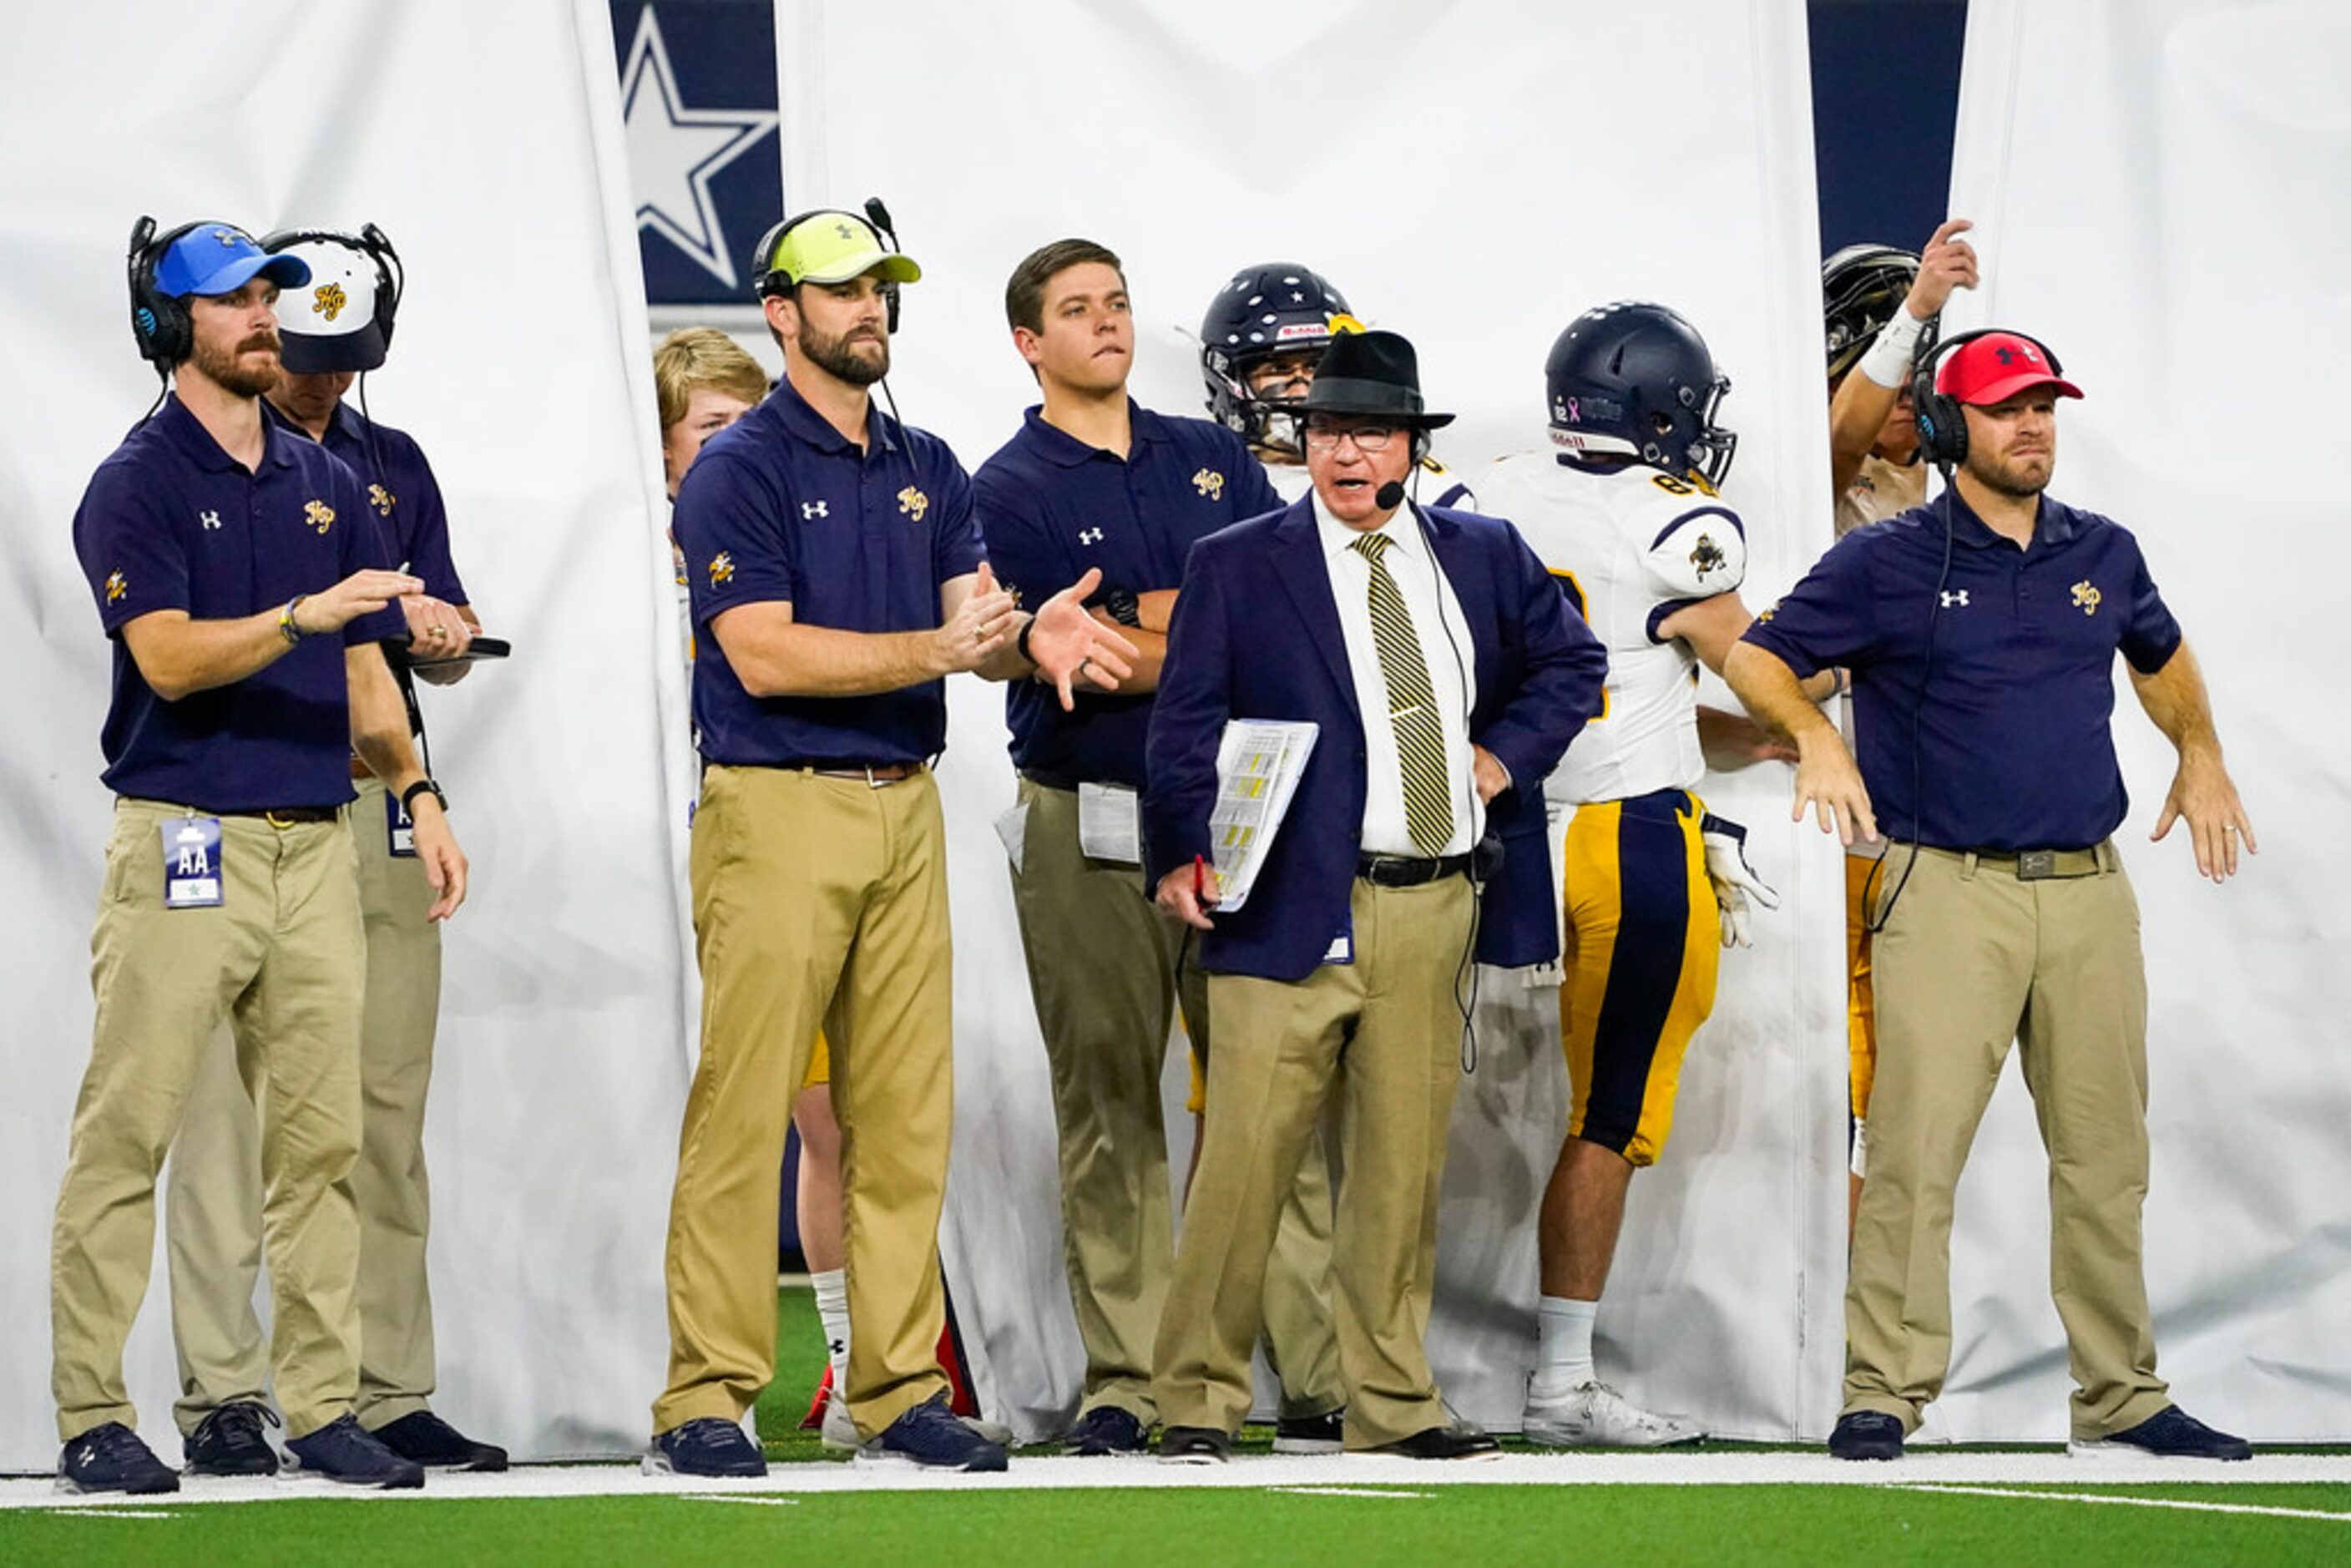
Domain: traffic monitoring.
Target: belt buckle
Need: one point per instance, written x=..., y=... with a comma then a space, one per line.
x=274, y=821
x=2036, y=865
x=873, y=780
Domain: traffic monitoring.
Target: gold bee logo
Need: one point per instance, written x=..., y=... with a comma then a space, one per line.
x=913, y=503
x=2086, y=597
x=319, y=515
x=1707, y=557
x=382, y=499
x=328, y=299
x=722, y=569
x=1209, y=483
x=116, y=586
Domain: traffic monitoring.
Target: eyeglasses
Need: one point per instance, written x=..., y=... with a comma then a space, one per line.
x=1366, y=437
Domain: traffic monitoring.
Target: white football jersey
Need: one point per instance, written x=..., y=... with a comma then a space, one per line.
x=1633, y=546
x=1880, y=490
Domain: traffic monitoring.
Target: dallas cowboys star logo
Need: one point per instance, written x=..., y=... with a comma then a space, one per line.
x=675, y=151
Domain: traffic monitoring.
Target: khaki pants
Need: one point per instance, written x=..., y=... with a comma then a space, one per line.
x=1971, y=959
x=1107, y=970
x=213, y=1216
x=282, y=960
x=1387, y=1028
x=817, y=903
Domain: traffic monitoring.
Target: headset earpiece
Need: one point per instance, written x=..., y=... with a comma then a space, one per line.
x=159, y=323
x=1942, y=421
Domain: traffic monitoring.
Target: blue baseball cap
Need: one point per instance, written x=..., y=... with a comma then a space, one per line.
x=220, y=259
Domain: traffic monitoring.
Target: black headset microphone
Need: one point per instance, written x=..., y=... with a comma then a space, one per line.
x=1388, y=496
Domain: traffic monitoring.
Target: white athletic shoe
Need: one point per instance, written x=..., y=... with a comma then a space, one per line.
x=839, y=1433
x=1594, y=1416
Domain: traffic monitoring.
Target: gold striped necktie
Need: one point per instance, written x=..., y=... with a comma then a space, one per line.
x=1412, y=706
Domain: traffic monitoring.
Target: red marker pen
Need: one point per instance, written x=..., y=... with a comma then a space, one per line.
x=1200, y=878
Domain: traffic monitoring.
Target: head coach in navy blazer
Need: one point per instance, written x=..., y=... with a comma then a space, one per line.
x=1443, y=667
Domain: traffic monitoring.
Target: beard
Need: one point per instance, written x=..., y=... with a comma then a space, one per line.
x=230, y=371
x=2019, y=478
x=838, y=356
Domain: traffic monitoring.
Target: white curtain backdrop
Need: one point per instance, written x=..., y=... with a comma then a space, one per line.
x=1472, y=176
x=487, y=140
x=2160, y=195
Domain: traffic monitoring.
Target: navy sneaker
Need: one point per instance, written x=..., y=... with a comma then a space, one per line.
x=931, y=1435
x=437, y=1446
x=229, y=1442
x=111, y=1458
x=1104, y=1429
x=2170, y=1433
x=1324, y=1433
x=1867, y=1434
x=1193, y=1445
x=343, y=1450
x=705, y=1447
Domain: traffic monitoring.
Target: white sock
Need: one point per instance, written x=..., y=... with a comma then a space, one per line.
x=1563, y=1354
x=832, y=1312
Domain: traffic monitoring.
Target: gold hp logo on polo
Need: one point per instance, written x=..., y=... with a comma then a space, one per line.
x=722, y=569
x=1707, y=557
x=116, y=585
x=1209, y=483
x=328, y=299
x=2086, y=597
x=382, y=499
x=913, y=503
x=320, y=516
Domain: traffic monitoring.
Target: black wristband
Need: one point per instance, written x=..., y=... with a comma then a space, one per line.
x=408, y=796
x=1021, y=644
x=1122, y=606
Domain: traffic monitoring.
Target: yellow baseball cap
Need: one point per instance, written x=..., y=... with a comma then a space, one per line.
x=827, y=246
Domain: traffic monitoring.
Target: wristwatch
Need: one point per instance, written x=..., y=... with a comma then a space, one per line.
x=287, y=627
x=1122, y=606
x=408, y=796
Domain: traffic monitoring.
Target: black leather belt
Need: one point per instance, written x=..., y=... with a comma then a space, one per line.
x=288, y=816
x=1409, y=871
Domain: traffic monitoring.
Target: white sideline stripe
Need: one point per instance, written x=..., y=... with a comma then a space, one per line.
x=1346, y=1492
x=762, y=1502
x=112, y=1513
x=821, y=1478
x=2264, y=1510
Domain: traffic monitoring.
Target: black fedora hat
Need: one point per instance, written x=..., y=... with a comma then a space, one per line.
x=1374, y=375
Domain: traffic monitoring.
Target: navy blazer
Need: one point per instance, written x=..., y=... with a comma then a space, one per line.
x=1256, y=634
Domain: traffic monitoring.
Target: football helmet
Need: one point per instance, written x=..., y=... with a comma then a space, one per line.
x=1862, y=286
x=1635, y=379
x=1272, y=309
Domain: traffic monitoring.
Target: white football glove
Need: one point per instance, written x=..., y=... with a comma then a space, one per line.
x=1733, y=878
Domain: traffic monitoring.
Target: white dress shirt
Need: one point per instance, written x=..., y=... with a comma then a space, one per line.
x=1445, y=648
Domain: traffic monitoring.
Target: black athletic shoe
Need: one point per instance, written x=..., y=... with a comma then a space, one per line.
x=229, y=1442
x=437, y=1446
x=705, y=1447
x=1104, y=1429
x=111, y=1458
x=343, y=1450
x=2170, y=1433
x=1462, y=1440
x=1193, y=1445
x=933, y=1436
x=1324, y=1433
x=1867, y=1434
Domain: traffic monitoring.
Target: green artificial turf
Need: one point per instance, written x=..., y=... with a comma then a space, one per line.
x=1475, y=1524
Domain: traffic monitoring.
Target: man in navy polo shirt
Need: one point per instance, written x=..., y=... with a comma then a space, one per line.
x=837, y=571
x=1094, y=482
x=334, y=328
x=1981, y=630
x=237, y=573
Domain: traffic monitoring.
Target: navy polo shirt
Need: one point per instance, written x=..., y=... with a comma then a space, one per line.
x=782, y=506
x=172, y=522
x=1051, y=506
x=402, y=492
x=2014, y=747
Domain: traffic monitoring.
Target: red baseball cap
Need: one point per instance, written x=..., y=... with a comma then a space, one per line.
x=1996, y=367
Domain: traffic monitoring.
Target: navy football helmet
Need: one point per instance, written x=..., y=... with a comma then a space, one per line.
x=1275, y=308
x=1635, y=379
x=1862, y=286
